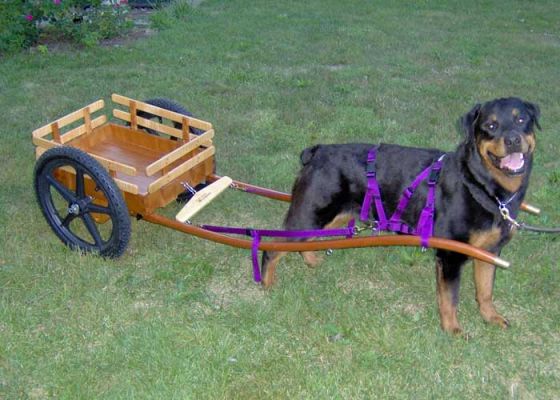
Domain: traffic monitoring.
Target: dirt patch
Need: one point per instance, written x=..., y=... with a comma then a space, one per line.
x=140, y=18
x=141, y=28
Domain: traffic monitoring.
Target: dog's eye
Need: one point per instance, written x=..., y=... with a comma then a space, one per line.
x=520, y=120
x=492, y=126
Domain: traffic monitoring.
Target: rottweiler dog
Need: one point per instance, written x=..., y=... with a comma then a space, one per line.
x=490, y=166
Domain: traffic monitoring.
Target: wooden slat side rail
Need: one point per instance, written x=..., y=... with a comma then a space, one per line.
x=108, y=164
x=87, y=120
x=68, y=119
x=186, y=126
x=202, y=140
x=181, y=169
x=123, y=185
x=80, y=130
x=173, y=116
x=55, y=129
x=133, y=116
x=126, y=186
x=116, y=166
x=45, y=143
x=148, y=123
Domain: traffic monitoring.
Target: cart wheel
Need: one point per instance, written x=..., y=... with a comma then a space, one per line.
x=88, y=213
x=171, y=106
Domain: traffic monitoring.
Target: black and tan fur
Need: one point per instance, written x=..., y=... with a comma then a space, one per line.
x=331, y=185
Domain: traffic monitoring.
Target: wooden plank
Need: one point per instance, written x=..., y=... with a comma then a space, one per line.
x=80, y=130
x=164, y=161
x=173, y=116
x=123, y=185
x=112, y=165
x=68, y=119
x=87, y=120
x=126, y=186
x=185, y=126
x=133, y=116
x=44, y=143
x=181, y=169
x=55, y=129
x=202, y=198
x=148, y=123
x=108, y=164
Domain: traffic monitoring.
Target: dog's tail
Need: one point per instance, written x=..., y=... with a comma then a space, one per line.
x=307, y=155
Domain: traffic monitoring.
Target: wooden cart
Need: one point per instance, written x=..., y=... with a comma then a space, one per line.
x=92, y=174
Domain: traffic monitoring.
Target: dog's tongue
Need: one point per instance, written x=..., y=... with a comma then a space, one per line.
x=512, y=162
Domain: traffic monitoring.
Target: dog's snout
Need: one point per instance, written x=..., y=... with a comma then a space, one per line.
x=513, y=141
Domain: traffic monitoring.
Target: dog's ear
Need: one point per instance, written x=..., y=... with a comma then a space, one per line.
x=534, y=112
x=468, y=120
x=307, y=155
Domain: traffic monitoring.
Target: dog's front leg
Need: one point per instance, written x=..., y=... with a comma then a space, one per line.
x=484, y=275
x=448, y=275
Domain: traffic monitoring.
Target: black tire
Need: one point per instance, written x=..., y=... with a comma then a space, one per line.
x=171, y=106
x=73, y=216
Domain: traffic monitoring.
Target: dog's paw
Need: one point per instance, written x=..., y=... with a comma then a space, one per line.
x=268, y=279
x=453, y=330
x=311, y=259
x=498, y=320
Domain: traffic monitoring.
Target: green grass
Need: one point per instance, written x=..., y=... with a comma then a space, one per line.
x=179, y=317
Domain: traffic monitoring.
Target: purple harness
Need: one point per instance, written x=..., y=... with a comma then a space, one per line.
x=425, y=225
x=424, y=228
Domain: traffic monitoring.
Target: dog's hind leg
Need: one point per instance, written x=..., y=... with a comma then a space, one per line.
x=311, y=258
x=318, y=198
x=270, y=260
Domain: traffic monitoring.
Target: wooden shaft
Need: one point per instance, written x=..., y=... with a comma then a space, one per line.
x=530, y=209
x=313, y=245
x=260, y=191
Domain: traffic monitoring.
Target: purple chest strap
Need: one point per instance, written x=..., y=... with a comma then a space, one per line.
x=425, y=224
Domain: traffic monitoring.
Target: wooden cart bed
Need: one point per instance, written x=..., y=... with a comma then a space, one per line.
x=149, y=169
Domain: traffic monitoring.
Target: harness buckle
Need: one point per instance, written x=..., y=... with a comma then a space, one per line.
x=374, y=226
x=434, y=176
x=370, y=170
x=408, y=192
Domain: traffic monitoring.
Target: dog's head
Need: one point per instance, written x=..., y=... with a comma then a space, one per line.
x=503, y=133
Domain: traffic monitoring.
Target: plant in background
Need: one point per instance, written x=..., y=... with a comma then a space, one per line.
x=17, y=28
x=80, y=21
x=166, y=17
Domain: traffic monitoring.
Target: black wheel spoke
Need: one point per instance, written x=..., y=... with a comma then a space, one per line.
x=68, y=219
x=80, y=184
x=60, y=188
x=92, y=229
x=98, y=209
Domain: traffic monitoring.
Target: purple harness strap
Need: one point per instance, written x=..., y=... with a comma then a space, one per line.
x=394, y=224
x=425, y=224
x=257, y=234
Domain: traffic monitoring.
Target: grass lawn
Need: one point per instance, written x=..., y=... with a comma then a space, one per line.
x=178, y=317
